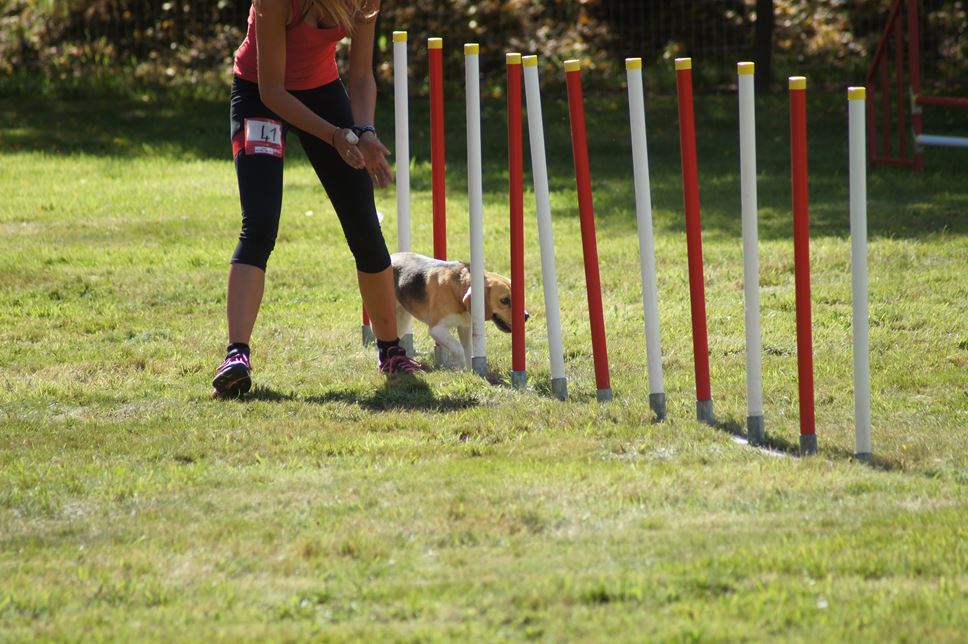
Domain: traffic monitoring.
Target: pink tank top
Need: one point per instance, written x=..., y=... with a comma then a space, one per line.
x=310, y=53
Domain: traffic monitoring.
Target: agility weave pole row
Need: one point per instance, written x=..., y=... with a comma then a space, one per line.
x=526, y=67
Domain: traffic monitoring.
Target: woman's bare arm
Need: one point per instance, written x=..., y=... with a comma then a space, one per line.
x=270, y=33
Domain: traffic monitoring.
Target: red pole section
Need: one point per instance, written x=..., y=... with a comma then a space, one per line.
x=516, y=199
x=586, y=214
x=437, y=162
x=914, y=73
x=367, y=332
x=801, y=260
x=690, y=194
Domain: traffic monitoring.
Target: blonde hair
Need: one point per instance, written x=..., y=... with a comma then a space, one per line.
x=349, y=13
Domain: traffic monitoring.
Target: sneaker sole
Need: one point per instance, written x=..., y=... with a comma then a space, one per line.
x=232, y=384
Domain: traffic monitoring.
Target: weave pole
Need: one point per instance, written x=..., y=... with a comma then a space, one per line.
x=366, y=330
x=643, y=215
x=401, y=134
x=542, y=197
x=856, y=98
x=801, y=260
x=438, y=172
x=690, y=194
x=755, y=430
x=586, y=213
x=475, y=198
x=519, y=374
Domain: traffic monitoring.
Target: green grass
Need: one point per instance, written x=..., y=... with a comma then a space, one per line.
x=331, y=505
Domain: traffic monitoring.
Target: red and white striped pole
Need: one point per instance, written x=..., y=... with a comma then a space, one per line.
x=435, y=54
x=690, y=194
x=519, y=375
x=586, y=213
x=801, y=260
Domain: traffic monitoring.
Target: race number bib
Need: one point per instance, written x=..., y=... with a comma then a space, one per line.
x=264, y=136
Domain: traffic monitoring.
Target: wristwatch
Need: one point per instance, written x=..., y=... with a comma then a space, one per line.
x=360, y=130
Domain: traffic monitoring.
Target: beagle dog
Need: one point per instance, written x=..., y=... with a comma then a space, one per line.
x=438, y=293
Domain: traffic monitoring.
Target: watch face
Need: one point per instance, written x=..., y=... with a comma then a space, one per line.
x=351, y=138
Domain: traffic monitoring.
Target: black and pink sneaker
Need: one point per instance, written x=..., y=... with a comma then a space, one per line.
x=233, y=378
x=397, y=361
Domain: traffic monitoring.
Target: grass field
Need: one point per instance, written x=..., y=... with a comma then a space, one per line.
x=333, y=505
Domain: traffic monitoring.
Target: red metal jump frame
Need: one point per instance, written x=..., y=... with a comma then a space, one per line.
x=917, y=100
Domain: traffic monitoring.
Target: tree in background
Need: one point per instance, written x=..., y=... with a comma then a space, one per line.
x=763, y=44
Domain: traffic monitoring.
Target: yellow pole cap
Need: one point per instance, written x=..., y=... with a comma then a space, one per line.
x=633, y=63
x=471, y=49
x=683, y=63
x=529, y=61
x=573, y=65
x=798, y=82
x=856, y=93
x=399, y=36
x=512, y=58
x=435, y=43
x=745, y=69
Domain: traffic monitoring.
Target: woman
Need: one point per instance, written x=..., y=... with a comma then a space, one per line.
x=286, y=77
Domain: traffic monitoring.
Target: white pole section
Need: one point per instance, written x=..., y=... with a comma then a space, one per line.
x=643, y=215
x=751, y=270
x=475, y=197
x=549, y=279
x=401, y=133
x=858, y=260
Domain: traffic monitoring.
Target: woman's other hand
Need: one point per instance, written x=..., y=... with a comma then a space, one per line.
x=375, y=158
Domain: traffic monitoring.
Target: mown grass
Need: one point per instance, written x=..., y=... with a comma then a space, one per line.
x=333, y=505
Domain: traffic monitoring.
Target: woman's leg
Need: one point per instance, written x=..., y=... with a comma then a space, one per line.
x=380, y=300
x=351, y=193
x=246, y=286
x=258, y=166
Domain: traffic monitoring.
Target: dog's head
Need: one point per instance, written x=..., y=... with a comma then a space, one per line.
x=497, y=301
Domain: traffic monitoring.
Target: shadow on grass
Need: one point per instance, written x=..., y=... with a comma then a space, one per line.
x=398, y=393
x=779, y=446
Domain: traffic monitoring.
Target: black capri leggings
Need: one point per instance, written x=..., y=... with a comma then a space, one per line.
x=258, y=144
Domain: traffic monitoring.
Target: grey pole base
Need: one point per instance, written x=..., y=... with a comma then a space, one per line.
x=704, y=411
x=519, y=379
x=604, y=395
x=559, y=388
x=808, y=444
x=658, y=405
x=407, y=343
x=440, y=357
x=367, y=333
x=864, y=457
x=754, y=430
x=479, y=365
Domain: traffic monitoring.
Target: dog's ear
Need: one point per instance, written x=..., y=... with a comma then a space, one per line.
x=488, y=309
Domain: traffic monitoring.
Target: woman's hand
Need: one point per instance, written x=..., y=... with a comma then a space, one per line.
x=348, y=152
x=374, y=157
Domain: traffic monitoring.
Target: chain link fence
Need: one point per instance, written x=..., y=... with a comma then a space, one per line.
x=192, y=41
